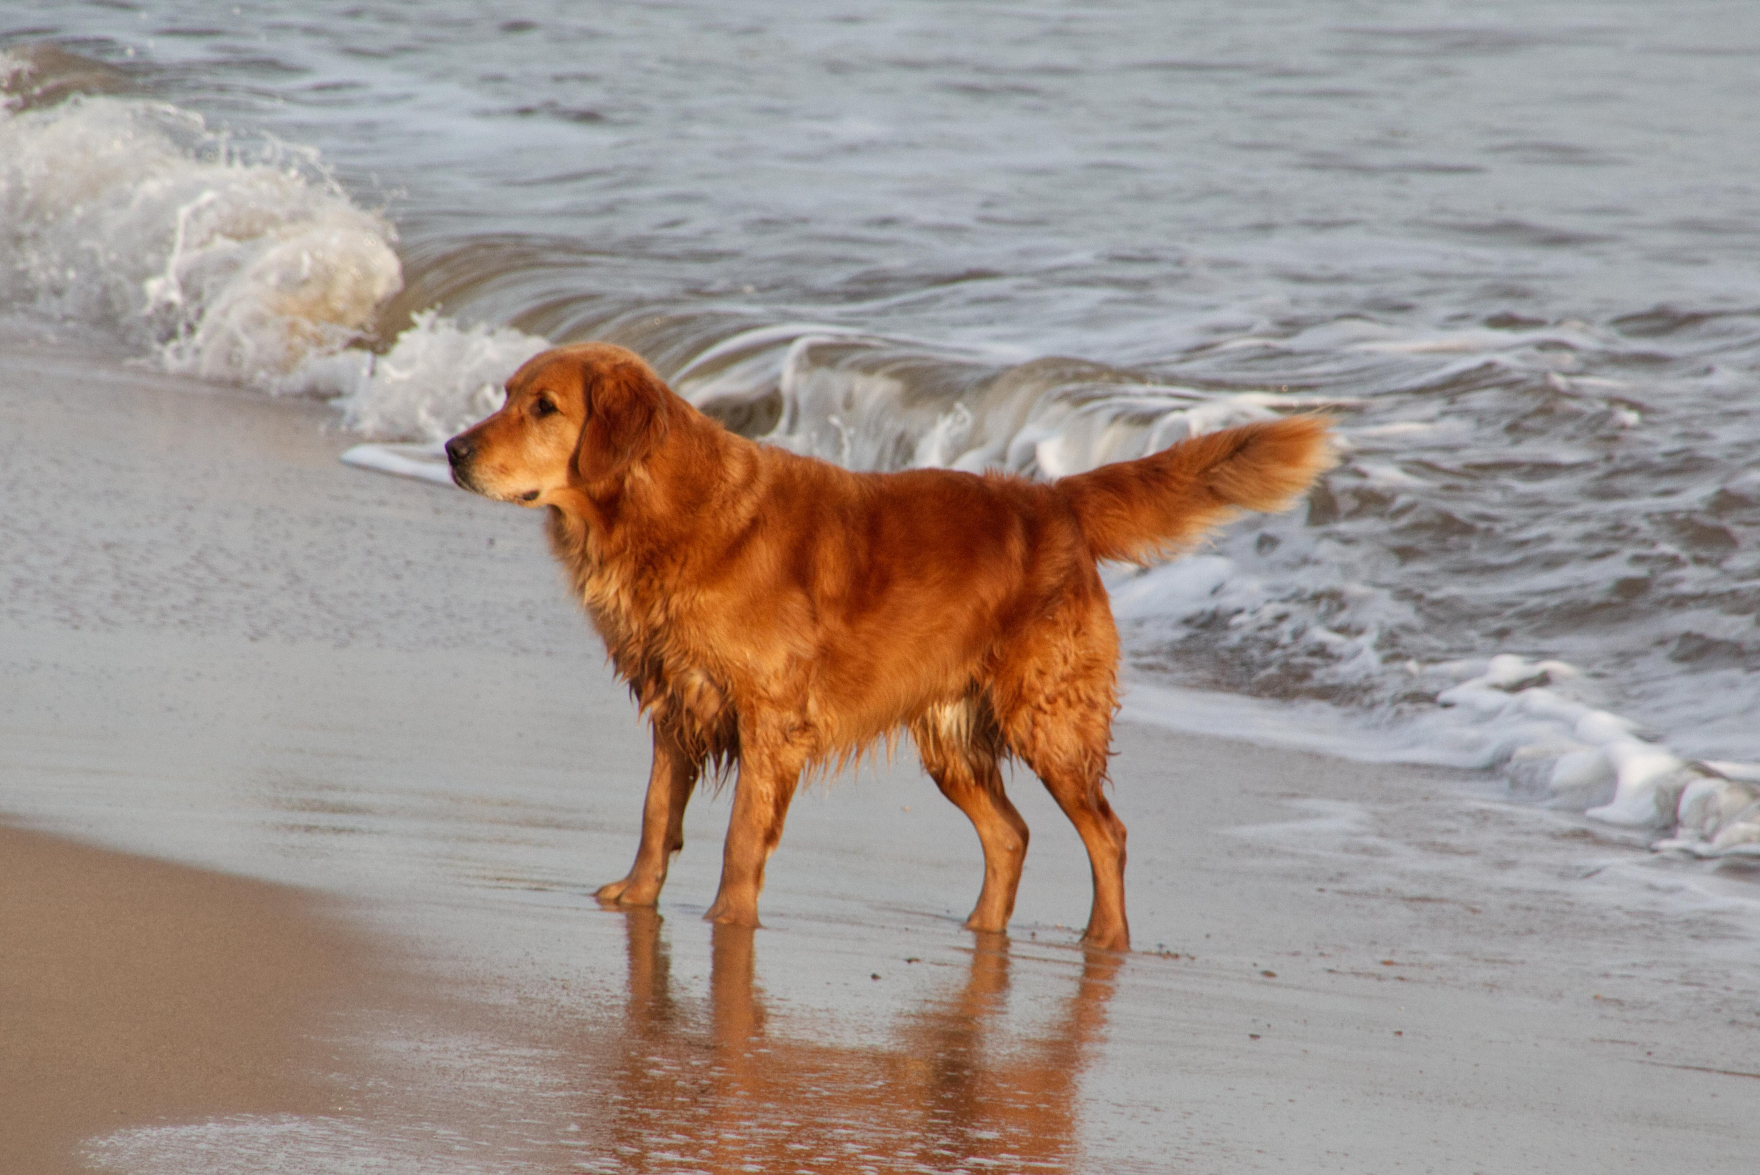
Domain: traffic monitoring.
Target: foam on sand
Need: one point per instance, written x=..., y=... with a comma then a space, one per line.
x=1511, y=715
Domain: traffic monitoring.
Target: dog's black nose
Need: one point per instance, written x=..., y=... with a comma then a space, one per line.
x=458, y=451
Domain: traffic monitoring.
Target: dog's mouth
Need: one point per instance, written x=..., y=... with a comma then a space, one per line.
x=460, y=457
x=461, y=477
x=464, y=481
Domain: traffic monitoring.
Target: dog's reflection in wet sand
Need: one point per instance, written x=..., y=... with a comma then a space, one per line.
x=948, y=1086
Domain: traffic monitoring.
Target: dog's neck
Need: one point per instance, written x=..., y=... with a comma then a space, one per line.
x=697, y=484
x=697, y=480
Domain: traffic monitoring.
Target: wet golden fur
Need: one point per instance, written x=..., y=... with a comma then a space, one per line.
x=778, y=612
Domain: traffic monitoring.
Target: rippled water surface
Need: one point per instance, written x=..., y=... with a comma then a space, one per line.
x=1513, y=247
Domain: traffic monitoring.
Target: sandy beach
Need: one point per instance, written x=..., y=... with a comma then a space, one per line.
x=138, y=991
x=259, y=689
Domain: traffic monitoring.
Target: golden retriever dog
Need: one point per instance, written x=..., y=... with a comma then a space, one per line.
x=776, y=613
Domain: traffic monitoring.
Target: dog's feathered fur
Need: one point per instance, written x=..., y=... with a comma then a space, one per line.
x=779, y=612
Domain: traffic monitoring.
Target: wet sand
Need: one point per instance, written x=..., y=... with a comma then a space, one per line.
x=219, y=647
x=137, y=991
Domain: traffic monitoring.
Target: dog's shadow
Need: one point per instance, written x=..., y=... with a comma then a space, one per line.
x=723, y=1089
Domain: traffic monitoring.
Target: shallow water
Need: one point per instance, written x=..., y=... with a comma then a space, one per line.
x=1513, y=250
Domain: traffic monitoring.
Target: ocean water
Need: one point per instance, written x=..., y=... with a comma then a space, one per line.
x=1515, y=250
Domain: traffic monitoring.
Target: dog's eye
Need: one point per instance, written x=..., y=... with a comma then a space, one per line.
x=542, y=406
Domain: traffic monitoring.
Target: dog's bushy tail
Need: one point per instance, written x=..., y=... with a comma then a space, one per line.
x=1138, y=511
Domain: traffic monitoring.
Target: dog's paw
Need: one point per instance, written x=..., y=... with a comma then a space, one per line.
x=1107, y=938
x=732, y=914
x=628, y=892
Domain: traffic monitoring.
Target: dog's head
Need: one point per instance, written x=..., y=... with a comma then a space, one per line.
x=575, y=417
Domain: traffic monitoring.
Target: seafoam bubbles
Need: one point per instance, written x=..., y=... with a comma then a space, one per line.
x=1719, y=812
x=1574, y=755
x=256, y=307
x=438, y=378
x=231, y=259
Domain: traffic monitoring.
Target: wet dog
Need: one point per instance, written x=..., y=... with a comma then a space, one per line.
x=776, y=613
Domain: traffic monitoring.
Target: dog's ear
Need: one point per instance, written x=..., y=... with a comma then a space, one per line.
x=628, y=413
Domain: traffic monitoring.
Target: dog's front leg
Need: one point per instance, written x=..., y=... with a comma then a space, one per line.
x=769, y=769
x=670, y=783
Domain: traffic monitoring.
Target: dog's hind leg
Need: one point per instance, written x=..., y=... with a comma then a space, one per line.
x=1077, y=790
x=1054, y=705
x=770, y=765
x=962, y=762
x=670, y=783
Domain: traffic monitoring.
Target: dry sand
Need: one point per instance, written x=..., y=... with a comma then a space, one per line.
x=222, y=648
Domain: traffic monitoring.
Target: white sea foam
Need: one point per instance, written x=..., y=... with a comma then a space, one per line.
x=422, y=461
x=238, y=260
x=234, y=260
x=1550, y=748
x=437, y=379
x=230, y=259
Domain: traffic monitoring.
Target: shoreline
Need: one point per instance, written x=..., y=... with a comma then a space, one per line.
x=223, y=648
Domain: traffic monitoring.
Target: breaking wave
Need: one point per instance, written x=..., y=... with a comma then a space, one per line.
x=225, y=257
